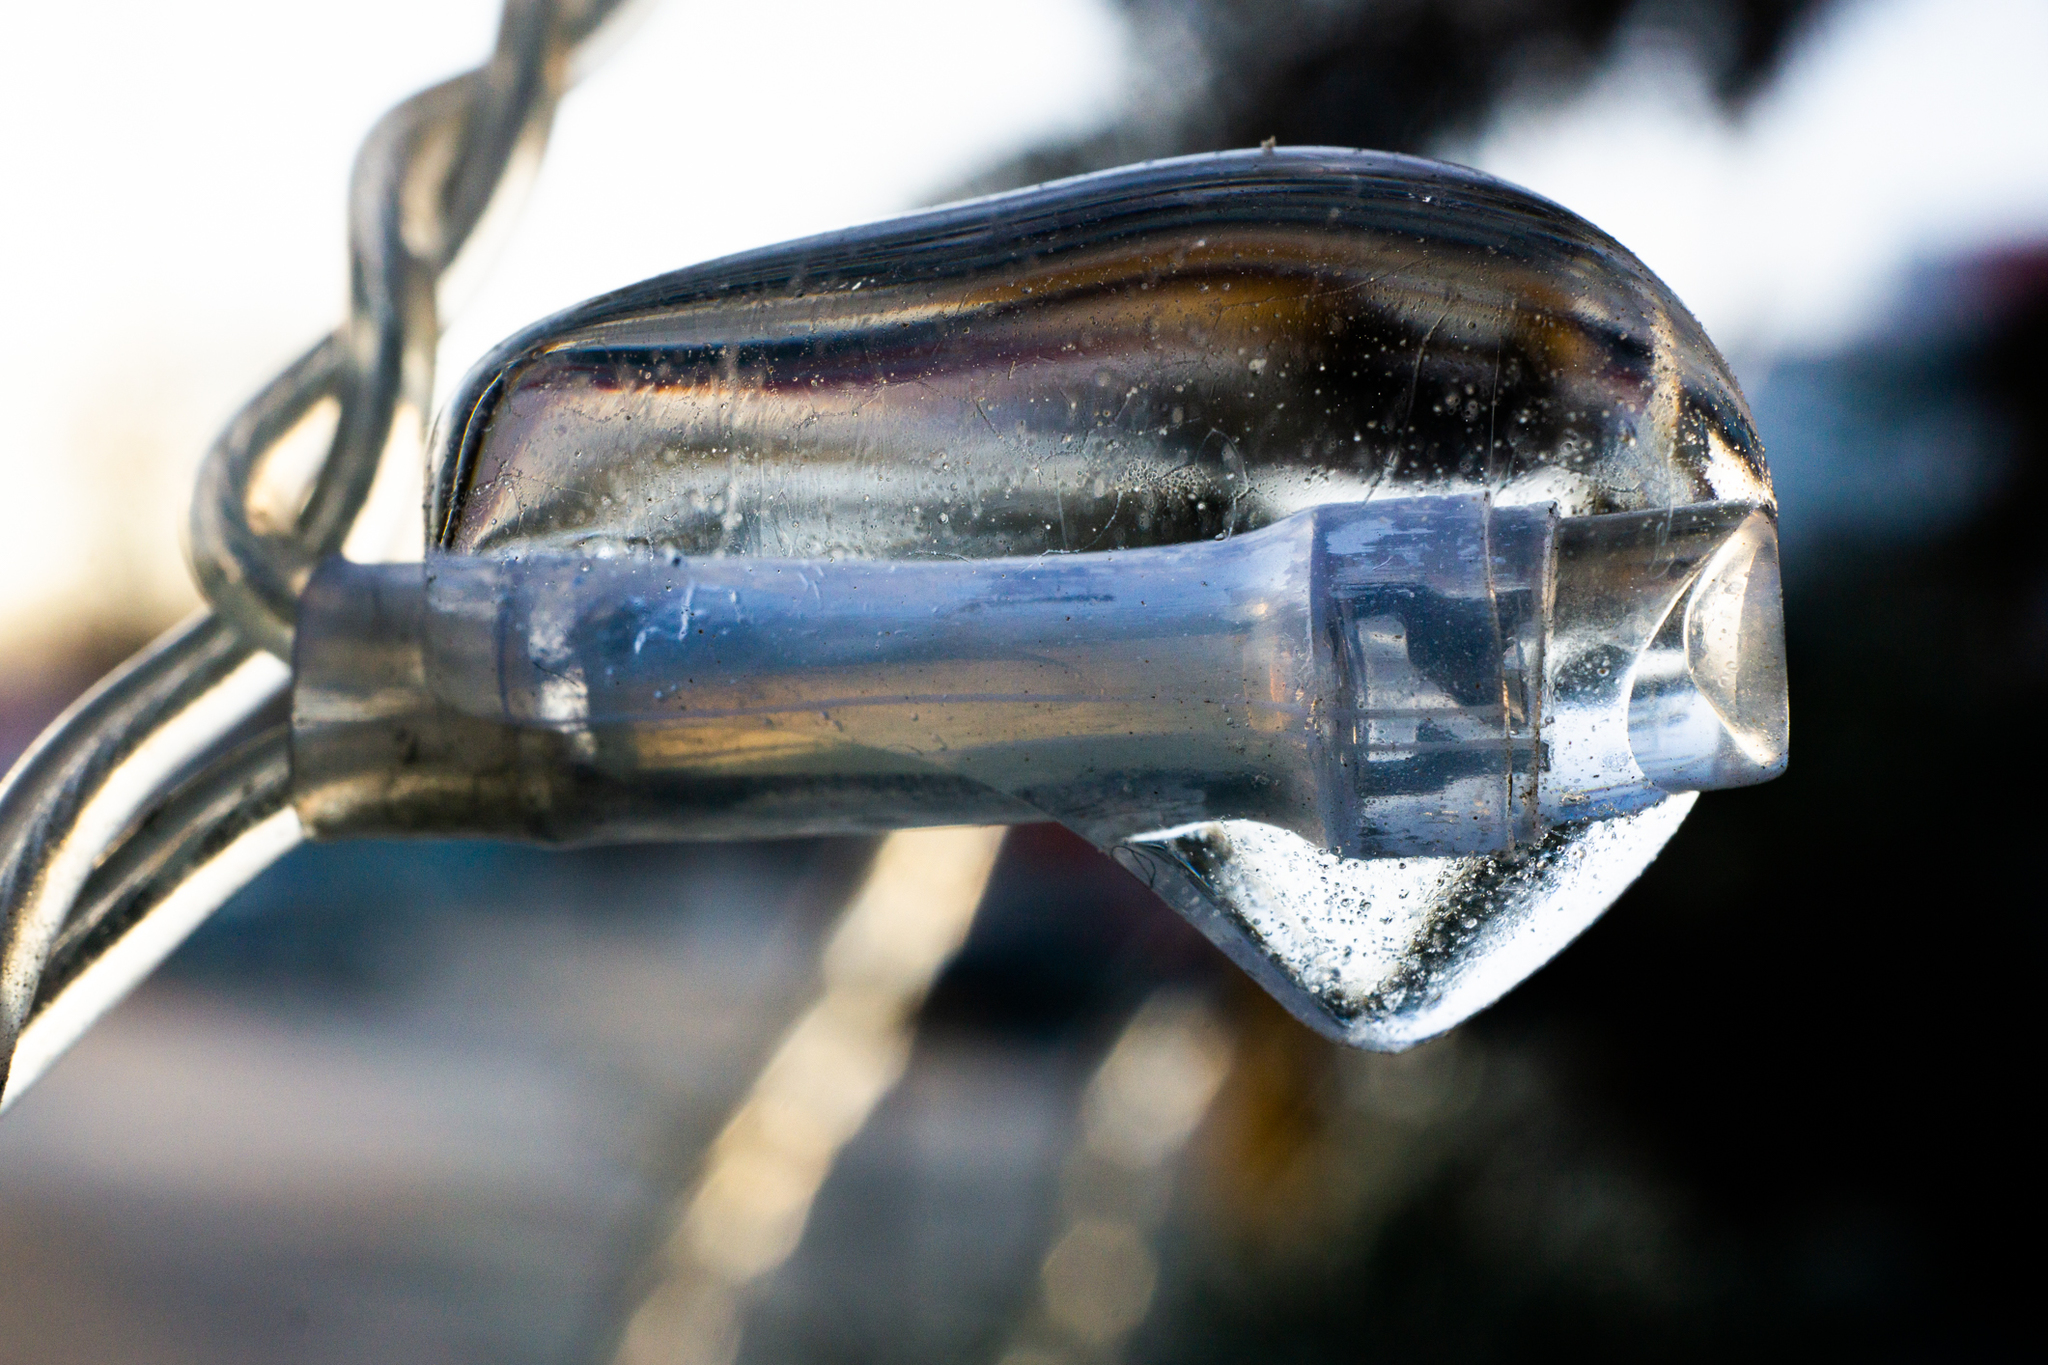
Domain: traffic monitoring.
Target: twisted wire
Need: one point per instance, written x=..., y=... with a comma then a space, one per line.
x=120, y=759
x=197, y=819
x=208, y=837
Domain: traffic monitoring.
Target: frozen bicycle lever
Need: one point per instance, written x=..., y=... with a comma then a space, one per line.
x=1374, y=556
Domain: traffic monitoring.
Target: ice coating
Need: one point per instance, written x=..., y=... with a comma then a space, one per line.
x=1364, y=675
x=1162, y=356
x=1145, y=356
x=1394, y=951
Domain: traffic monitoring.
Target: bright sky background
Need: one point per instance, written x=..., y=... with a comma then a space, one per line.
x=1901, y=132
x=171, y=183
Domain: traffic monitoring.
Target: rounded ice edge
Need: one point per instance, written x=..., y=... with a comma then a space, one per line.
x=1710, y=704
x=1387, y=953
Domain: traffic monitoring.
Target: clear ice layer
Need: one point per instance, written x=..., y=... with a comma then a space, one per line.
x=1402, y=794
x=1364, y=675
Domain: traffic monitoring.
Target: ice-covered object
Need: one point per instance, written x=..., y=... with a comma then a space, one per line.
x=1411, y=533
x=1363, y=675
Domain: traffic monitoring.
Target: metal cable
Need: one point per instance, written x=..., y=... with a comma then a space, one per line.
x=422, y=181
x=78, y=789
x=206, y=840
x=382, y=358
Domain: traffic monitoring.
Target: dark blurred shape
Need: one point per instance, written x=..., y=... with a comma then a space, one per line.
x=369, y=917
x=1064, y=944
x=1816, y=1006
x=1393, y=75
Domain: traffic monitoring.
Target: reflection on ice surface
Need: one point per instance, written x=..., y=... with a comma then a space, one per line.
x=1348, y=495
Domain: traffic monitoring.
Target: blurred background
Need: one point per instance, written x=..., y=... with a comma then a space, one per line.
x=446, y=1102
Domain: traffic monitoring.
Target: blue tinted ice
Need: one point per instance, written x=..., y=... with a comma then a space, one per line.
x=1364, y=676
